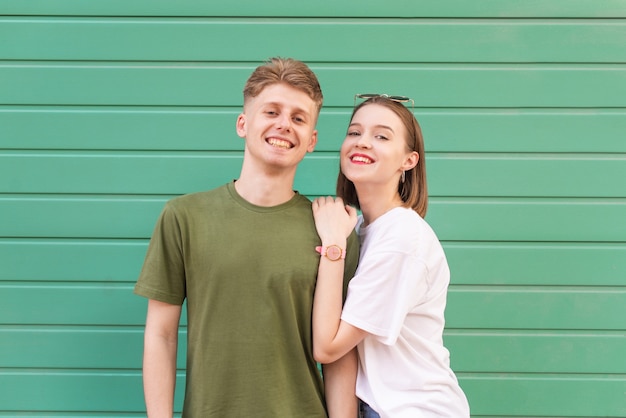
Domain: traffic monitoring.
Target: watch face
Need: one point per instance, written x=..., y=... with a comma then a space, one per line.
x=333, y=252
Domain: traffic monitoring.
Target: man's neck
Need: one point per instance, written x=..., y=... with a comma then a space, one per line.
x=265, y=190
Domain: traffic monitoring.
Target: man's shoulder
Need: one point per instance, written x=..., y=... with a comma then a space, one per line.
x=304, y=202
x=195, y=198
x=190, y=205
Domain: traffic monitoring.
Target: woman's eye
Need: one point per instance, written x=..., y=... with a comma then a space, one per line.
x=353, y=133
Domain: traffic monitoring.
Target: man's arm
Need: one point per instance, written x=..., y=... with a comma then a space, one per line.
x=159, y=358
x=339, y=385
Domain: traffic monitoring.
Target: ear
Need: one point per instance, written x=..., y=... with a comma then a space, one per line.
x=240, y=125
x=411, y=160
x=313, y=141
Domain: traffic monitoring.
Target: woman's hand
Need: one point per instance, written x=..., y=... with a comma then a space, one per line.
x=334, y=220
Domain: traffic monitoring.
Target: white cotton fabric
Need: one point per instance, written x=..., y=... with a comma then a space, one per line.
x=398, y=296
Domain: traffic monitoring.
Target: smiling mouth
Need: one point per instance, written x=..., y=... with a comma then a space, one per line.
x=279, y=143
x=361, y=159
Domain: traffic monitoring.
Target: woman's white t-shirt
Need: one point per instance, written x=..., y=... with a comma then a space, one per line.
x=398, y=295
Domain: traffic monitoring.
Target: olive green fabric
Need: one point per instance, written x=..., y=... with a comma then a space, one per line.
x=248, y=274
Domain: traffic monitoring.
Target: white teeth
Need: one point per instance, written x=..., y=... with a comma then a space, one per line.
x=279, y=143
x=361, y=159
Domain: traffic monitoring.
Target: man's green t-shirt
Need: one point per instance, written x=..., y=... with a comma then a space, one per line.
x=248, y=274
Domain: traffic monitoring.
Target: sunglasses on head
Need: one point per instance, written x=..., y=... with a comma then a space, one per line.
x=399, y=99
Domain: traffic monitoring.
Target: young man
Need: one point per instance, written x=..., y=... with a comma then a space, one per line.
x=243, y=256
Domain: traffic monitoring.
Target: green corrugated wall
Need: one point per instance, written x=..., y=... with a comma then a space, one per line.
x=109, y=108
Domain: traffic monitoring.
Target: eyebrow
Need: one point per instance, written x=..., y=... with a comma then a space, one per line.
x=375, y=126
x=295, y=109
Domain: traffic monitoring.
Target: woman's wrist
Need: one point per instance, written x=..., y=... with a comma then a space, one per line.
x=333, y=252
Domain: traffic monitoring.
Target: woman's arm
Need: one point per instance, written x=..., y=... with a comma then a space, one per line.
x=332, y=337
x=340, y=386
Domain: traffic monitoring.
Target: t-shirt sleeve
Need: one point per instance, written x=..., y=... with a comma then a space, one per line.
x=386, y=287
x=162, y=276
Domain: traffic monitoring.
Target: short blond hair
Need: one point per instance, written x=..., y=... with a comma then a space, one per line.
x=289, y=71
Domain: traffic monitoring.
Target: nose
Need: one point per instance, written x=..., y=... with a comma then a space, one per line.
x=283, y=122
x=363, y=142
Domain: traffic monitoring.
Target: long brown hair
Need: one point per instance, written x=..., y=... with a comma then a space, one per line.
x=413, y=190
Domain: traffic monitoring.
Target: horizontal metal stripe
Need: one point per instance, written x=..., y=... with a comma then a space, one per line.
x=489, y=308
x=457, y=219
x=536, y=395
x=536, y=263
x=71, y=348
x=536, y=308
x=453, y=8
x=526, y=396
x=176, y=172
x=81, y=414
x=195, y=84
x=210, y=128
x=75, y=391
x=112, y=350
x=72, y=260
x=497, y=263
x=449, y=40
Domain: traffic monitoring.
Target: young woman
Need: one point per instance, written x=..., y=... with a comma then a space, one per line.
x=394, y=311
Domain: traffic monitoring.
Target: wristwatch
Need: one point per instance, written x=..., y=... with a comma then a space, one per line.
x=332, y=252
